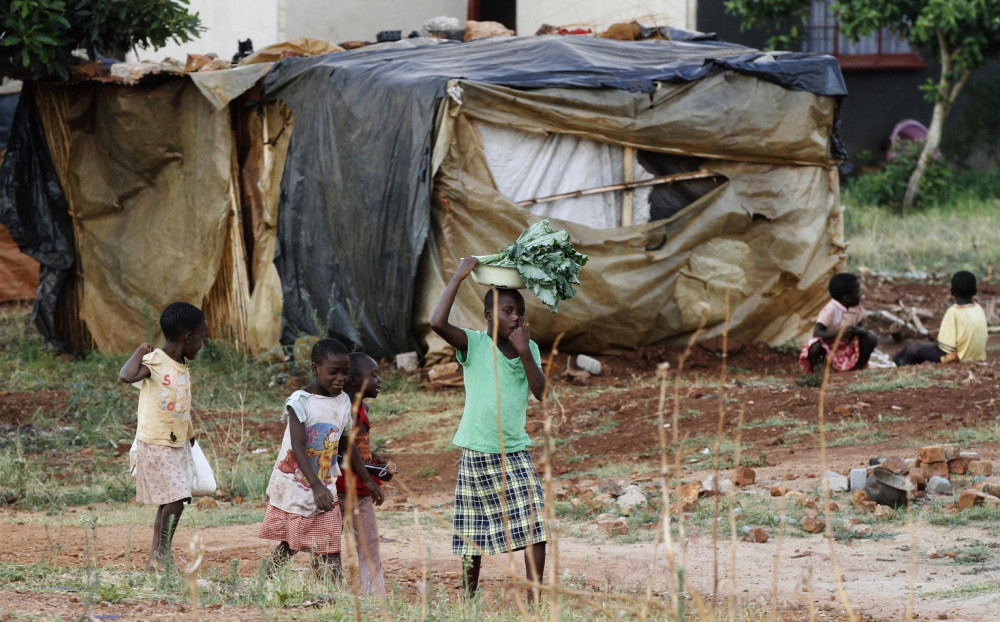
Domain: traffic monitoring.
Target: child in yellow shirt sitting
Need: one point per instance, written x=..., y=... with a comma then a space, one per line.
x=963, y=330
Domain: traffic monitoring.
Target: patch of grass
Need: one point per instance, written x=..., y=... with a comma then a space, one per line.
x=968, y=436
x=426, y=472
x=778, y=421
x=966, y=590
x=893, y=383
x=854, y=432
x=964, y=235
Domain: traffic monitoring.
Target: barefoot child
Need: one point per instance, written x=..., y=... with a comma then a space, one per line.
x=963, y=331
x=363, y=382
x=844, y=311
x=302, y=512
x=479, y=526
x=164, y=427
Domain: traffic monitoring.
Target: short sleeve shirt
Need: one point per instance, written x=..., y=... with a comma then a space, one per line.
x=834, y=315
x=478, y=429
x=325, y=419
x=964, y=330
x=165, y=402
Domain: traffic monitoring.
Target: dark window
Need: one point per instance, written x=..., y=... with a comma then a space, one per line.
x=503, y=11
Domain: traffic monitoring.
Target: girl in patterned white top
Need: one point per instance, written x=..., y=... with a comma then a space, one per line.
x=302, y=510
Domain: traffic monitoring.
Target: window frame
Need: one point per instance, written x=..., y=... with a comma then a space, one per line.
x=880, y=61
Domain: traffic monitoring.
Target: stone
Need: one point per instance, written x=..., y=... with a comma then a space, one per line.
x=884, y=512
x=813, y=524
x=917, y=478
x=709, y=488
x=689, y=496
x=836, y=481
x=910, y=462
x=612, y=525
x=205, y=503
x=857, y=479
x=979, y=468
x=862, y=501
x=935, y=469
x=971, y=455
x=895, y=465
x=610, y=486
x=969, y=498
x=889, y=478
x=744, y=476
x=959, y=466
x=407, y=362
x=932, y=453
x=756, y=535
x=990, y=487
x=991, y=502
x=589, y=364
x=861, y=529
x=779, y=491
x=632, y=498
x=885, y=494
x=951, y=451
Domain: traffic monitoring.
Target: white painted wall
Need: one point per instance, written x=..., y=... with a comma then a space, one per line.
x=226, y=21
x=531, y=14
x=273, y=21
x=346, y=20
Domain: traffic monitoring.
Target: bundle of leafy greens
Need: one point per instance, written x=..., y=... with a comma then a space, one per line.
x=545, y=259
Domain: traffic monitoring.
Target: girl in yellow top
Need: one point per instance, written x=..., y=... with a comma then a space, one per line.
x=164, y=423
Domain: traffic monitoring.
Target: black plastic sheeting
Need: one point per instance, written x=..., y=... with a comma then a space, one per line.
x=8, y=104
x=34, y=208
x=356, y=192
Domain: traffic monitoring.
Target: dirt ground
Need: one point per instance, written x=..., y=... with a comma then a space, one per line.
x=876, y=572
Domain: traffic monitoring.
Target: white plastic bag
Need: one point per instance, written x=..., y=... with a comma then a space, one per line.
x=133, y=455
x=200, y=472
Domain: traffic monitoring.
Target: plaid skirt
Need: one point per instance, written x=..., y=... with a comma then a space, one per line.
x=317, y=534
x=478, y=525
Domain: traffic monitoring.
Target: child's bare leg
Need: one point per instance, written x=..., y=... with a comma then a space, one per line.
x=866, y=345
x=534, y=568
x=328, y=567
x=167, y=517
x=154, y=548
x=279, y=557
x=470, y=573
x=817, y=356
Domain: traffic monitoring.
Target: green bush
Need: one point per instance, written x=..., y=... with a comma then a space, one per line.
x=888, y=185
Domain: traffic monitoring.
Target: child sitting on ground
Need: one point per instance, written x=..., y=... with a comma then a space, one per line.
x=963, y=332
x=363, y=382
x=164, y=427
x=486, y=522
x=843, y=312
x=302, y=512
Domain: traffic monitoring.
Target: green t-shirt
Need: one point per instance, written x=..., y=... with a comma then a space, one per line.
x=478, y=428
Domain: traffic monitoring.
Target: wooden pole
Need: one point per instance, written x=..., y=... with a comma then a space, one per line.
x=655, y=181
x=629, y=155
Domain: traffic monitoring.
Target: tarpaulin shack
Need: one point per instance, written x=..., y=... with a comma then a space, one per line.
x=403, y=160
x=134, y=191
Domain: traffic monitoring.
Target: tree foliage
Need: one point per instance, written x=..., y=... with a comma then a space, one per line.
x=39, y=37
x=964, y=34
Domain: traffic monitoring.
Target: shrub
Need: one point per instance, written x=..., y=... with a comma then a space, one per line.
x=888, y=185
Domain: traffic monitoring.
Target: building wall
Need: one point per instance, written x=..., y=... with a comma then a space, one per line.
x=347, y=20
x=531, y=14
x=226, y=22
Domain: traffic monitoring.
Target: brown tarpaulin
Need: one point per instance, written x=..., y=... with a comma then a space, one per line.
x=18, y=272
x=657, y=282
x=156, y=188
